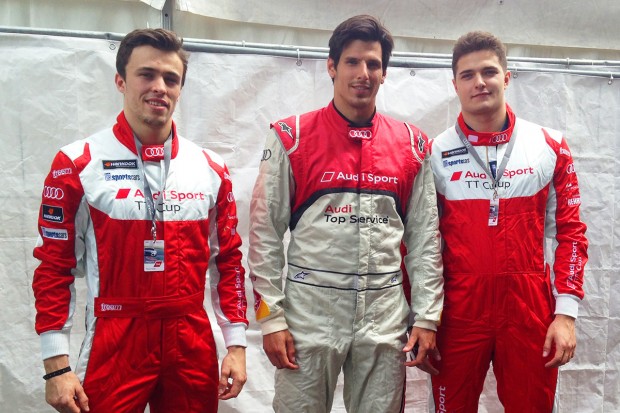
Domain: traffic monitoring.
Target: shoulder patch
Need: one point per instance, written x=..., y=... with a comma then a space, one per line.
x=287, y=131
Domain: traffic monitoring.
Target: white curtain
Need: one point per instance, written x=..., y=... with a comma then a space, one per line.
x=55, y=90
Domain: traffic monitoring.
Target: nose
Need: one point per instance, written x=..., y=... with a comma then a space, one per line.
x=158, y=85
x=363, y=72
x=479, y=80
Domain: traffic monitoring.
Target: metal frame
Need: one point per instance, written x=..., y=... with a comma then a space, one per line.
x=599, y=68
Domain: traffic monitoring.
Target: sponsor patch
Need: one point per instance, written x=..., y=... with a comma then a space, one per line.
x=121, y=177
x=121, y=164
x=52, y=213
x=454, y=152
x=60, y=172
x=447, y=163
x=54, y=233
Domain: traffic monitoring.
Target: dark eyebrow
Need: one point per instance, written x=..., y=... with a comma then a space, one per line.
x=152, y=70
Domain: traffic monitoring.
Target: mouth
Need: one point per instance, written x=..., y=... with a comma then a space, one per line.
x=482, y=94
x=157, y=103
x=360, y=88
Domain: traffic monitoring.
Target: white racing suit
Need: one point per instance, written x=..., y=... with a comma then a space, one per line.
x=349, y=195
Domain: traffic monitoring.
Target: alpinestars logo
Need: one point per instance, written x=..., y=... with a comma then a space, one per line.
x=285, y=128
x=421, y=143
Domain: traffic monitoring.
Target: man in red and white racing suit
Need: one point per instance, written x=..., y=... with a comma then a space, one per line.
x=142, y=215
x=351, y=185
x=514, y=247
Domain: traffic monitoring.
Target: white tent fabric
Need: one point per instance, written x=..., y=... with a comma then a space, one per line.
x=59, y=89
x=551, y=28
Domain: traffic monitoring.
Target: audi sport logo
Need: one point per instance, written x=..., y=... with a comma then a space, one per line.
x=153, y=151
x=500, y=138
x=50, y=192
x=360, y=133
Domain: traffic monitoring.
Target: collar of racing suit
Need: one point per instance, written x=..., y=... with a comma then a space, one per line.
x=489, y=138
x=125, y=135
x=357, y=130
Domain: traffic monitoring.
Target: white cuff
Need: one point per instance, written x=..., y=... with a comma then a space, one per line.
x=429, y=325
x=567, y=304
x=54, y=343
x=273, y=325
x=234, y=334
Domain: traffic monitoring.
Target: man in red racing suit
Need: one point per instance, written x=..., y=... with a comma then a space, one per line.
x=514, y=247
x=142, y=214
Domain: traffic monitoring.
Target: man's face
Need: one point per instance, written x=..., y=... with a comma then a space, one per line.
x=480, y=82
x=151, y=88
x=357, y=79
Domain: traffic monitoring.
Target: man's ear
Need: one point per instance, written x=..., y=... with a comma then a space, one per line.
x=507, y=77
x=331, y=68
x=120, y=83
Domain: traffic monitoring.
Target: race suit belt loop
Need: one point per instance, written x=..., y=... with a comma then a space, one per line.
x=149, y=307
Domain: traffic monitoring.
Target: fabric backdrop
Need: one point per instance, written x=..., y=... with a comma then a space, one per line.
x=54, y=90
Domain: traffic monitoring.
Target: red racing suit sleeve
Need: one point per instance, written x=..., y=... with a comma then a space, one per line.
x=270, y=214
x=423, y=243
x=226, y=273
x=60, y=248
x=564, y=227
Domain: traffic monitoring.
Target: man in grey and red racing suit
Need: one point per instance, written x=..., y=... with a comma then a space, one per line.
x=349, y=195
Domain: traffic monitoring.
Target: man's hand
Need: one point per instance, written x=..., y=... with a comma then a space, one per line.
x=64, y=393
x=561, y=334
x=427, y=348
x=280, y=349
x=233, y=375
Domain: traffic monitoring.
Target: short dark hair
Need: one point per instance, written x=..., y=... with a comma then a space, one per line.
x=476, y=41
x=161, y=39
x=363, y=27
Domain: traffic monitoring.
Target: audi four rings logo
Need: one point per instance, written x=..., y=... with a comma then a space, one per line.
x=50, y=192
x=361, y=134
x=500, y=138
x=154, y=151
x=266, y=154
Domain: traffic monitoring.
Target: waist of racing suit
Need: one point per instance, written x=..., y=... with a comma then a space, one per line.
x=343, y=280
x=149, y=307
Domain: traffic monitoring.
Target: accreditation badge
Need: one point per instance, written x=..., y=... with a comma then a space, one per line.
x=493, y=212
x=153, y=255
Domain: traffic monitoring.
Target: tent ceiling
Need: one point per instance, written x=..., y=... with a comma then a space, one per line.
x=550, y=29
